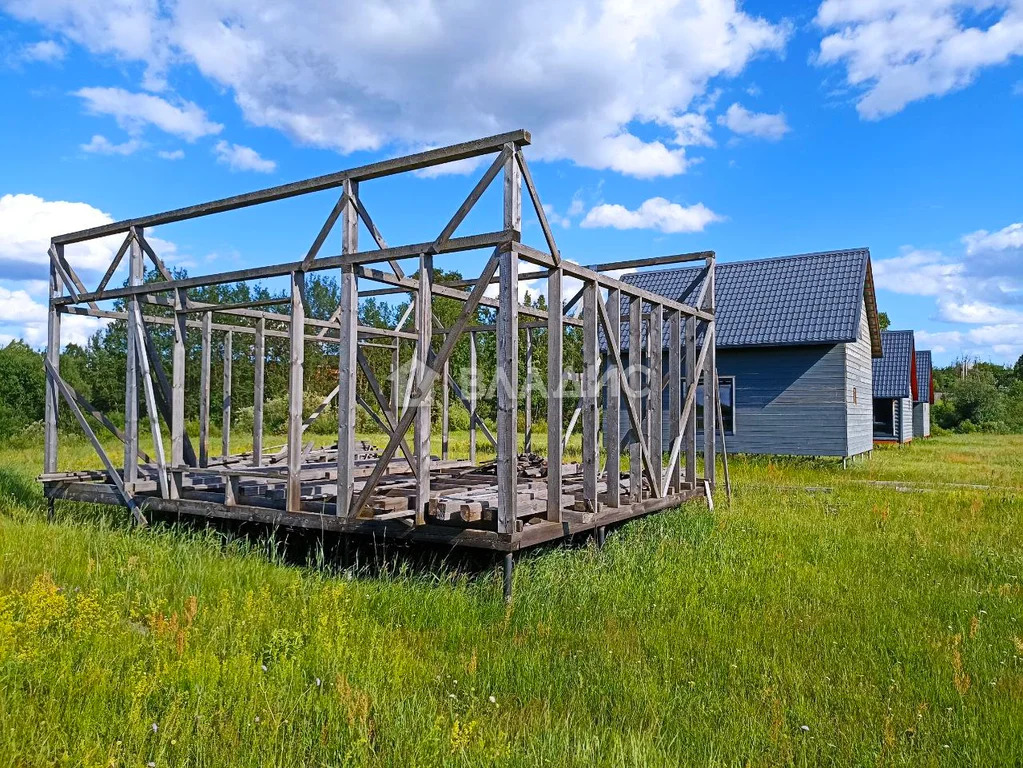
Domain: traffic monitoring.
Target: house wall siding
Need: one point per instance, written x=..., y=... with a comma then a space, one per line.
x=904, y=419
x=922, y=420
x=788, y=400
x=859, y=389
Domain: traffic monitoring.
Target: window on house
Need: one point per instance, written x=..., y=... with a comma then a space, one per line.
x=727, y=386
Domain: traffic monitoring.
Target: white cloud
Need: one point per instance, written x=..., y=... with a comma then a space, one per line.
x=763, y=125
x=44, y=50
x=135, y=111
x=173, y=154
x=100, y=145
x=655, y=213
x=27, y=223
x=239, y=158
x=21, y=317
x=982, y=287
x=899, y=51
x=603, y=84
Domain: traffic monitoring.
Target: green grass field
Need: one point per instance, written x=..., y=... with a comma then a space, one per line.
x=862, y=624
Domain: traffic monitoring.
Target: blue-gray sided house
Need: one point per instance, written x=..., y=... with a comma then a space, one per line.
x=924, y=394
x=895, y=387
x=795, y=340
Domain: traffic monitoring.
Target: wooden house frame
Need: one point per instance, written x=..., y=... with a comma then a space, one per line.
x=401, y=491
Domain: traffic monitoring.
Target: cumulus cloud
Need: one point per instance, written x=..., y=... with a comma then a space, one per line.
x=22, y=317
x=239, y=158
x=606, y=85
x=101, y=145
x=172, y=154
x=135, y=111
x=982, y=286
x=656, y=213
x=899, y=51
x=763, y=125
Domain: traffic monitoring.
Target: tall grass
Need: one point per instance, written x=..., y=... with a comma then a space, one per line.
x=850, y=626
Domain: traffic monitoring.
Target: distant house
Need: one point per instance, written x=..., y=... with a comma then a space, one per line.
x=924, y=394
x=895, y=387
x=795, y=338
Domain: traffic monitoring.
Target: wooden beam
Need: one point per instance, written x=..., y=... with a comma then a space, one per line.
x=177, y=404
x=655, y=413
x=375, y=170
x=50, y=434
x=296, y=382
x=347, y=353
x=555, y=396
x=590, y=416
x=508, y=357
x=151, y=410
x=204, y=390
x=131, y=400
x=225, y=406
x=528, y=394
x=675, y=397
x=473, y=386
x=423, y=392
x=613, y=406
x=258, y=395
x=689, y=423
x=650, y=261
x=636, y=385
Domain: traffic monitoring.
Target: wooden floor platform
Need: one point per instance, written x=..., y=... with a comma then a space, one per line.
x=462, y=509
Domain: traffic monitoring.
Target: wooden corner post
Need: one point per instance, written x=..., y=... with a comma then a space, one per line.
x=508, y=354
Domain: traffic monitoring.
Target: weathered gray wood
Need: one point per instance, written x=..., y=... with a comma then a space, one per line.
x=90, y=410
x=423, y=394
x=204, y=389
x=50, y=434
x=395, y=380
x=258, y=394
x=570, y=429
x=473, y=386
x=710, y=384
x=375, y=170
x=115, y=478
x=164, y=391
x=650, y=261
x=689, y=423
x=157, y=261
x=721, y=434
x=489, y=175
x=612, y=421
x=225, y=410
x=347, y=352
x=636, y=385
x=541, y=214
x=445, y=412
x=115, y=262
x=508, y=355
x=296, y=382
x=654, y=405
x=528, y=404
x=151, y=410
x=468, y=311
x=389, y=420
x=177, y=404
x=675, y=397
x=342, y=204
x=131, y=400
x=555, y=396
x=591, y=367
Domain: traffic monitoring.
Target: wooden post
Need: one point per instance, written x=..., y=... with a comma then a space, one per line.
x=612, y=404
x=178, y=360
x=296, y=381
x=259, y=353
x=636, y=385
x=204, y=389
x=53, y=358
x=225, y=412
x=508, y=356
x=445, y=413
x=655, y=413
x=692, y=380
x=348, y=350
x=555, y=395
x=421, y=423
x=591, y=367
x=675, y=395
x=528, y=405
x=395, y=368
x=710, y=385
x=131, y=379
x=473, y=387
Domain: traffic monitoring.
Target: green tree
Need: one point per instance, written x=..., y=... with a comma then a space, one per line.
x=22, y=387
x=976, y=398
x=883, y=320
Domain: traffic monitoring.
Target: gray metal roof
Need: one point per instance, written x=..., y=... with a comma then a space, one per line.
x=812, y=298
x=924, y=377
x=893, y=371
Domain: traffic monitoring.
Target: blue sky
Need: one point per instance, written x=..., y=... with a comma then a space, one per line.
x=755, y=130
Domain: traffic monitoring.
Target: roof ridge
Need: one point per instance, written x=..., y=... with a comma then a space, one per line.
x=763, y=259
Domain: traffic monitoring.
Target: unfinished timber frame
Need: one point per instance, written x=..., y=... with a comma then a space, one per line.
x=398, y=489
